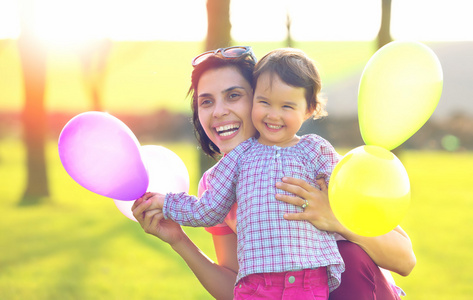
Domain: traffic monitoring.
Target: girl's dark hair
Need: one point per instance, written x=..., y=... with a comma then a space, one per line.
x=244, y=65
x=296, y=69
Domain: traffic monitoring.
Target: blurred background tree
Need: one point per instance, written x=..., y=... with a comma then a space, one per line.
x=93, y=57
x=219, y=26
x=33, y=62
x=384, y=34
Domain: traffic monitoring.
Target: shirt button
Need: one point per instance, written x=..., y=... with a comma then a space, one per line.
x=291, y=279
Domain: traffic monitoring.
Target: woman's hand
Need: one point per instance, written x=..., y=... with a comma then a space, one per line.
x=318, y=210
x=148, y=212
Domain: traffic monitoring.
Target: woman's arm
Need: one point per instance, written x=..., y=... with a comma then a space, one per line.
x=392, y=251
x=217, y=279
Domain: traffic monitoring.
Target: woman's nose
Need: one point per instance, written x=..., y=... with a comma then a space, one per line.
x=220, y=109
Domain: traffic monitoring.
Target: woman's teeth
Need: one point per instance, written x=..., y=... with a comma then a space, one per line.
x=227, y=130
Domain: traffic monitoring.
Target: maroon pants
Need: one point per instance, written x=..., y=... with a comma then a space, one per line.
x=362, y=279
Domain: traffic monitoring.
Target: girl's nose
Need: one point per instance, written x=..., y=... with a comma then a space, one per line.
x=272, y=114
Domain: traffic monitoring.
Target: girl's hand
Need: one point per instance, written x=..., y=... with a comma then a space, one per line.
x=148, y=212
x=318, y=210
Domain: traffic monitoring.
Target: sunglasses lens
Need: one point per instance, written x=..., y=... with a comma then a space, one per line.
x=197, y=60
x=234, y=52
x=231, y=52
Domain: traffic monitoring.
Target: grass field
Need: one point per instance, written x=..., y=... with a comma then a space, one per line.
x=81, y=247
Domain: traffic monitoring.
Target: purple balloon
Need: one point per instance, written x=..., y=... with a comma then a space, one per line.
x=103, y=155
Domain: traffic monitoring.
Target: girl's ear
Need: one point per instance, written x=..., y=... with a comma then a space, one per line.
x=309, y=114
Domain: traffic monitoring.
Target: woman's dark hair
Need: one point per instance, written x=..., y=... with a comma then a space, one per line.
x=296, y=69
x=244, y=65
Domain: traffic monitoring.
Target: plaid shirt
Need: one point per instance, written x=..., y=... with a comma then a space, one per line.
x=266, y=241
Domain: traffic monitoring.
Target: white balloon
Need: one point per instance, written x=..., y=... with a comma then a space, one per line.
x=167, y=174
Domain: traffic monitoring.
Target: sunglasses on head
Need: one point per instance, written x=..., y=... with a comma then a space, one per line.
x=229, y=53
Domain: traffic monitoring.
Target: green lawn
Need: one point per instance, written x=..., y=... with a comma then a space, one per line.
x=438, y=223
x=81, y=247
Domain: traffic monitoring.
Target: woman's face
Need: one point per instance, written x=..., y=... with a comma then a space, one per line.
x=224, y=106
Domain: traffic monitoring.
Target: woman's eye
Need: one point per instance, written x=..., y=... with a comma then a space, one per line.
x=287, y=106
x=205, y=102
x=234, y=96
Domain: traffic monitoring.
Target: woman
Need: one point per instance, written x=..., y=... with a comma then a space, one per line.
x=221, y=101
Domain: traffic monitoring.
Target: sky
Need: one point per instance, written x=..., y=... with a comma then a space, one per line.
x=73, y=21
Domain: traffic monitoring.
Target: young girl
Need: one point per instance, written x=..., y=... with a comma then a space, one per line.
x=287, y=258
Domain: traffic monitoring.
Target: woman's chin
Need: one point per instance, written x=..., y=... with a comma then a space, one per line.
x=227, y=143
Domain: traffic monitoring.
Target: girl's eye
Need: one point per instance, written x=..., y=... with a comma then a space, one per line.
x=287, y=106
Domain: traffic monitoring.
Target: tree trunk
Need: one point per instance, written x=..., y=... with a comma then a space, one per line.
x=219, y=26
x=289, y=40
x=384, y=34
x=33, y=62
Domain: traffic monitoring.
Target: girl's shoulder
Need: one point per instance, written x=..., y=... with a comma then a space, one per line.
x=315, y=146
x=312, y=141
x=313, y=138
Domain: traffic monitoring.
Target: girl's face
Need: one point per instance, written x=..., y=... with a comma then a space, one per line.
x=278, y=111
x=224, y=107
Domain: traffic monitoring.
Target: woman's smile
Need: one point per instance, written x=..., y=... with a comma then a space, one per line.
x=227, y=130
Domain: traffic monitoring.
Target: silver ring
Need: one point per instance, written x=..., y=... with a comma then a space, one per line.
x=306, y=203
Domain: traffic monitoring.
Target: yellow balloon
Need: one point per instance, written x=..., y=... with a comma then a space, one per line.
x=369, y=191
x=399, y=90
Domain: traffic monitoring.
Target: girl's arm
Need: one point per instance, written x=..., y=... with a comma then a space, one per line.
x=217, y=279
x=392, y=251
